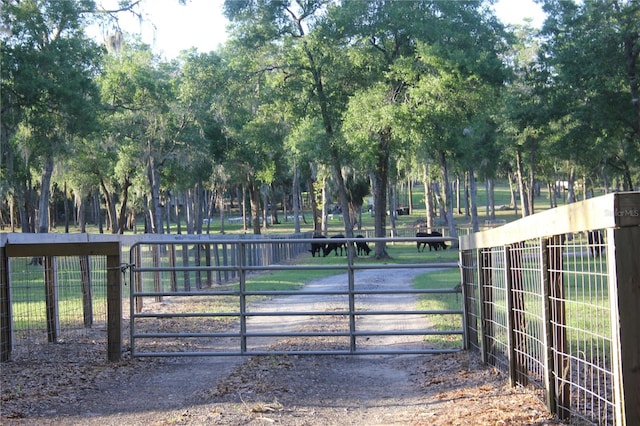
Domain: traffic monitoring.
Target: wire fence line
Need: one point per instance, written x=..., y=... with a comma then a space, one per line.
x=56, y=288
x=75, y=288
x=552, y=300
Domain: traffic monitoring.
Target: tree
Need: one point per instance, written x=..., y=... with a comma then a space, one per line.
x=47, y=89
x=589, y=59
x=389, y=35
x=310, y=61
x=368, y=126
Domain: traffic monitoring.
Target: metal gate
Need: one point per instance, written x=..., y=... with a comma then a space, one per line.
x=216, y=298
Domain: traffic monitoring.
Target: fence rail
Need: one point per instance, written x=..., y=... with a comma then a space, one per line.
x=552, y=300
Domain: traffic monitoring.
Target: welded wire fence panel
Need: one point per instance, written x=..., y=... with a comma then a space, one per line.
x=527, y=309
x=494, y=308
x=584, y=354
x=544, y=316
x=57, y=300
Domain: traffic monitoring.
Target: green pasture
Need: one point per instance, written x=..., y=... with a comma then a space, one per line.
x=441, y=279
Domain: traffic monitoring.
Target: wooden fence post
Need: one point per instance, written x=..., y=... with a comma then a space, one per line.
x=509, y=278
x=5, y=309
x=87, y=291
x=623, y=245
x=51, y=298
x=547, y=338
x=114, y=307
x=559, y=329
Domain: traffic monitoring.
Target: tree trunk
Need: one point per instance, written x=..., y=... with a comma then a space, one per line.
x=325, y=206
x=317, y=219
x=81, y=220
x=514, y=201
x=296, y=194
x=198, y=207
x=264, y=196
x=458, y=195
x=254, y=201
x=428, y=198
x=177, y=214
x=552, y=194
x=220, y=198
x=189, y=211
x=571, y=198
x=474, y=200
x=392, y=207
x=446, y=197
x=521, y=185
x=108, y=199
x=491, y=196
x=66, y=209
x=532, y=179
x=122, y=215
x=154, y=184
x=381, y=178
x=45, y=194
x=467, y=195
x=410, y=195
x=97, y=214
x=167, y=214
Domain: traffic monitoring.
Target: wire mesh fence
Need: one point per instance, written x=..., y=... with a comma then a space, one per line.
x=64, y=299
x=536, y=333
x=77, y=298
x=552, y=301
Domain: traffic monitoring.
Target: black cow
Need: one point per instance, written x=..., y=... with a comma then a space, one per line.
x=334, y=246
x=362, y=246
x=317, y=247
x=596, y=241
x=435, y=245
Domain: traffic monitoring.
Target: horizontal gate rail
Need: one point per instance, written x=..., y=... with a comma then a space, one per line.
x=245, y=322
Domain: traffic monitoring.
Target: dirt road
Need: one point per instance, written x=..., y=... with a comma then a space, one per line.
x=287, y=390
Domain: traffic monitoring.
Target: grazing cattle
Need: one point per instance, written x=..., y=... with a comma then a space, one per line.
x=362, y=246
x=435, y=245
x=334, y=246
x=596, y=241
x=317, y=247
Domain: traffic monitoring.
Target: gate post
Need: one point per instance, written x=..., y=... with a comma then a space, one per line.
x=5, y=308
x=623, y=246
x=50, y=266
x=562, y=388
x=114, y=305
x=546, y=260
x=511, y=320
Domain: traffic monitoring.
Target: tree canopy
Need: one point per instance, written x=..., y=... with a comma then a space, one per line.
x=311, y=96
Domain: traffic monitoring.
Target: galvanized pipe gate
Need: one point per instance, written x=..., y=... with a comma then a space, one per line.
x=207, y=306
